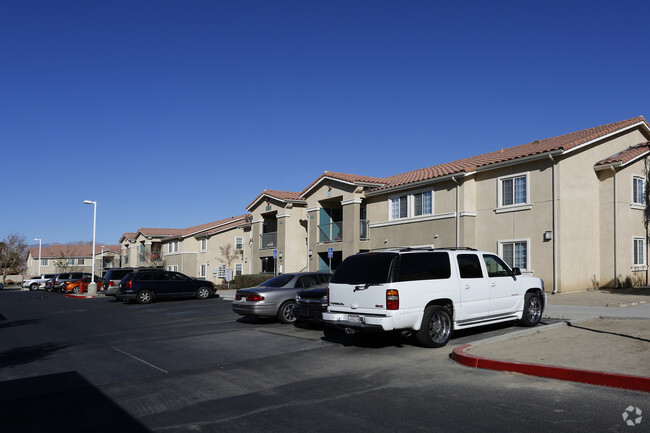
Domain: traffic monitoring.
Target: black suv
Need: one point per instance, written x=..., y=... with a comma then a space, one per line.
x=60, y=280
x=113, y=277
x=144, y=286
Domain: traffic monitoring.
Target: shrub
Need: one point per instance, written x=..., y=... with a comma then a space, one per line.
x=244, y=281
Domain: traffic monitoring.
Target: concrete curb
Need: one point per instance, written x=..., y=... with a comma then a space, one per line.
x=80, y=296
x=614, y=380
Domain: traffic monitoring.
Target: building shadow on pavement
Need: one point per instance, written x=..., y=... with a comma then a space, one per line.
x=62, y=402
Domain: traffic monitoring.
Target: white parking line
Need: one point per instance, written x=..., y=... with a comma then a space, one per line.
x=141, y=360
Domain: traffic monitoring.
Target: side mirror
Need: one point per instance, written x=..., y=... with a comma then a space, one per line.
x=516, y=271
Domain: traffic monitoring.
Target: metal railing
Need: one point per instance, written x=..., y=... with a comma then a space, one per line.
x=268, y=240
x=330, y=232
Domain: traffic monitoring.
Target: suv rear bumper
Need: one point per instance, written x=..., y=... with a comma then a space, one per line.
x=359, y=322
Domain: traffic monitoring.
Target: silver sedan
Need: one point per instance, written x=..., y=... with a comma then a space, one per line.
x=277, y=297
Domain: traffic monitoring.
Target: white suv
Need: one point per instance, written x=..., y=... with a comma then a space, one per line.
x=431, y=292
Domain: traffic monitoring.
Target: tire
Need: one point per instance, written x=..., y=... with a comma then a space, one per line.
x=144, y=297
x=203, y=293
x=532, y=310
x=436, y=328
x=75, y=289
x=33, y=287
x=286, y=313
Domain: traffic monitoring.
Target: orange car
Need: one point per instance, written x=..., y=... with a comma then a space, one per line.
x=73, y=286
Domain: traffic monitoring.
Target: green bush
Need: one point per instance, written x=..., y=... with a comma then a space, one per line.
x=244, y=281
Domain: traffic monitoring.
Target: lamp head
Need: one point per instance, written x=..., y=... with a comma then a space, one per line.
x=88, y=202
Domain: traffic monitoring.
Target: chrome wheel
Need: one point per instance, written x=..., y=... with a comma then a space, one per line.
x=532, y=310
x=436, y=327
x=203, y=293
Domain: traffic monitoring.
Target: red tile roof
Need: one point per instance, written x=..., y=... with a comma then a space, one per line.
x=215, y=225
x=345, y=177
x=625, y=156
x=560, y=143
x=72, y=251
x=278, y=195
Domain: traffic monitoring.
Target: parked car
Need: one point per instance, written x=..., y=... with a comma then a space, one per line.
x=311, y=303
x=431, y=293
x=113, y=277
x=74, y=286
x=148, y=285
x=276, y=297
x=59, y=281
x=35, y=282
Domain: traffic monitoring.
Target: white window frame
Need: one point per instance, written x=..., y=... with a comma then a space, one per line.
x=172, y=247
x=513, y=242
x=221, y=270
x=515, y=206
x=81, y=262
x=70, y=262
x=239, y=269
x=239, y=243
x=172, y=268
x=637, y=202
x=203, y=270
x=45, y=262
x=204, y=244
x=410, y=205
x=639, y=242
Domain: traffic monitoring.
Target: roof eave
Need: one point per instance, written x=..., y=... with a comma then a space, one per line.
x=412, y=185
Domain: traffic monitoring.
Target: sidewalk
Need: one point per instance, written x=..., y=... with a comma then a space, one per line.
x=603, y=339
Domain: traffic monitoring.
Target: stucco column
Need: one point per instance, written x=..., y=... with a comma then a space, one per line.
x=351, y=226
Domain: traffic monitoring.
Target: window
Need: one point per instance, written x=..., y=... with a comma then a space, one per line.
x=399, y=207
x=424, y=266
x=239, y=243
x=639, y=252
x=173, y=247
x=239, y=269
x=513, y=190
x=515, y=253
x=80, y=261
x=203, y=270
x=221, y=271
x=204, y=244
x=422, y=203
x=469, y=266
x=45, y=262
x=71, y=262
x=173, y=268
x=410, y=206
x=637, y=190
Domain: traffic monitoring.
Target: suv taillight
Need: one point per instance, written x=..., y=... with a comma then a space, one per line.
x=392, y=299
x=129, y=284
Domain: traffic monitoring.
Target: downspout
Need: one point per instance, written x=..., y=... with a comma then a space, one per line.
x=554, y=207
x=457, y=209
x=615, y=228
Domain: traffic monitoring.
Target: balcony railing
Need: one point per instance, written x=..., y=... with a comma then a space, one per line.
x=330, y=232
x=364, y=232
x=268, y=240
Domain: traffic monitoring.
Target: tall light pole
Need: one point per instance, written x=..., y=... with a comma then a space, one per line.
x=40, y=243
x=92, y=287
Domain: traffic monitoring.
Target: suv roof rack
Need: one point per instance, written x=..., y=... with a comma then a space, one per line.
x=457, y=248
x=405, y=249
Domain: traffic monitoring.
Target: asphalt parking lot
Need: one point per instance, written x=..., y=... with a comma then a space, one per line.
x=98, y=364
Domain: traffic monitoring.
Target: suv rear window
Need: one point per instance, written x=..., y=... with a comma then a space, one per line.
x=369, y=268
x=424, y=266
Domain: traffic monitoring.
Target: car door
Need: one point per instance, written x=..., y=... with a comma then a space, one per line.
x=503, y=286
x=474, y=288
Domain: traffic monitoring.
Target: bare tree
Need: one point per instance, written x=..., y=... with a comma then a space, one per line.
x=229, y=254
x=64, y=261
x=13, y=255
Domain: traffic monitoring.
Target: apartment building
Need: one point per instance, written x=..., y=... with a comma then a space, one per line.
x=568, y=209
x=211, y=251
x=54, y=259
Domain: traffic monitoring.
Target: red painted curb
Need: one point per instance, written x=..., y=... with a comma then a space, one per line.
x=614, y=380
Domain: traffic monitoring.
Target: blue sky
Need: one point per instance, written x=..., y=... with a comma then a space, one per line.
x=176, y=113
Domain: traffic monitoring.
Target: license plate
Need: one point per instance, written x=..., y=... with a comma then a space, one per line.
x=354, y=318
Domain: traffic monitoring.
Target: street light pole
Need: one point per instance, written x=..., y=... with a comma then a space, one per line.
x=92, y=287
x=40, y=243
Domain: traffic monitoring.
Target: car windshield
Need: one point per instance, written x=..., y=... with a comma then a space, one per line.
x=370, y=268
x=278, y=281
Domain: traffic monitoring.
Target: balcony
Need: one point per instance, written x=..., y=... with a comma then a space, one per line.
x=268, y=240
x=330, y=232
